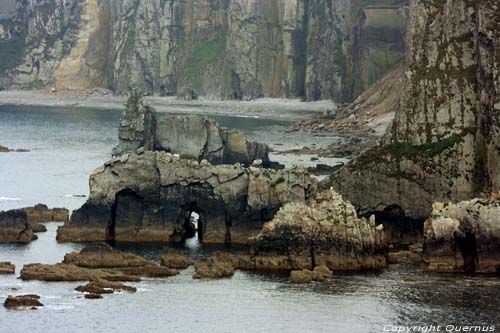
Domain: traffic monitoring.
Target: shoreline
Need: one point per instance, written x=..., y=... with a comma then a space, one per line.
x=264, y=108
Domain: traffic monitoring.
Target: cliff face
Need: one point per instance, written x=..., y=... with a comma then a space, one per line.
x=324, y=49
x=444, y=144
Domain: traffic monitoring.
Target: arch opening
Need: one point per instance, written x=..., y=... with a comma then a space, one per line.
x=126, y=211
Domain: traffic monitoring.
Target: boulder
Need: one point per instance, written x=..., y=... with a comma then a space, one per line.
x=7, y=268
x=220, y=265
x=22, y=301
x=38, y=227
x=301, y=277
x=463, y=237
x=321, y=273
x=325, y=232
x=175, y=260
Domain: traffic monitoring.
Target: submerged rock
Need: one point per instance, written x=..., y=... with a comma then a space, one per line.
x=7, y=267
x=326, y=232
x=104, y=287
x=220, y=265
x=463, y=237
x=22, y=301
x=93, y=296
x=175, y=260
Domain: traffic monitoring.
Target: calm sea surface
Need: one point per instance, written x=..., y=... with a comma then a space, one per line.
x=67, y=144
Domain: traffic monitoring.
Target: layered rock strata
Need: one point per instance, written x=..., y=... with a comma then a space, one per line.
x=463, y=237
x=327, y=232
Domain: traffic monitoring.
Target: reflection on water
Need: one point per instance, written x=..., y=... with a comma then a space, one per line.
x=250, y=301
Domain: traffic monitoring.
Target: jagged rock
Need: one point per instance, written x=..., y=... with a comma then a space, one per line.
x=149, y=198
x=70, y=272
x=220, y=265
x=38, y=227
x=104, y=287
x=175, y=260
x=191, y=137
x=7, y=150
x=14, y=227
x=301, y=277
x=7, y=267
x=463, y=237
x=22, y=301
x=444, y=141
x=327, y=232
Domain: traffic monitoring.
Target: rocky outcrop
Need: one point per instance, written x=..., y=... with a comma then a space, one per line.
x=8, y=150
x=14, y=227
x=320, y=274
x=327, y=232
x=444, y=143
x=97, y=263
x=41, y=213
x=217, y=48
x=23, y=301
x=463, y=237
x=191, y=137
x=149, y=197
x=7, y=268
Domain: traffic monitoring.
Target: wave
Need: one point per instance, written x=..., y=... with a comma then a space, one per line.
x=75, y=196
x=9, y=199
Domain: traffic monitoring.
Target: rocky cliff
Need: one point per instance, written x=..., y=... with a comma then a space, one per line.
x=444, y=143
x=322, y=49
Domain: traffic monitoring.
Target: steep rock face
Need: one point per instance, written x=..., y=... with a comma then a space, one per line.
x=444, y=142
x=232, y=49
x=150, y=197
x=325, y=232
x=463, y=237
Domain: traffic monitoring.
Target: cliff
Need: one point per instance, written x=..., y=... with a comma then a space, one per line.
x=231, y=49
x=444, y=143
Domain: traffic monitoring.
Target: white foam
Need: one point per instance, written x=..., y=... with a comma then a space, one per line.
x=9, y=199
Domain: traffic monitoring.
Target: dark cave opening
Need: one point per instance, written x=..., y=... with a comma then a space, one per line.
x=126, y=211
x=468, y=248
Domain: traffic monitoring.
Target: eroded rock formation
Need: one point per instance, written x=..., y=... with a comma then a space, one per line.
x=444, y=144
x=23, y=301
x=327, y=232
x=463, y=237
x=191, y=137
x=322, y=49
x=150, y=196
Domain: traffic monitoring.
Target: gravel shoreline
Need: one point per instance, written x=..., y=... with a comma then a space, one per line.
x=267, y=108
